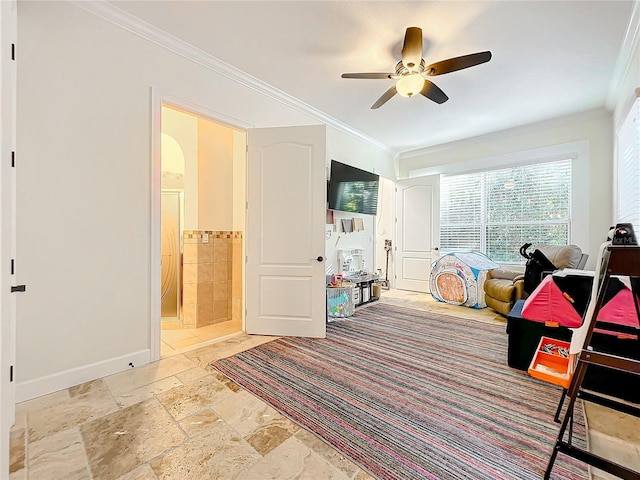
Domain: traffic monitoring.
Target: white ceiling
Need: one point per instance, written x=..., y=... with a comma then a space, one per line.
x=550, y=58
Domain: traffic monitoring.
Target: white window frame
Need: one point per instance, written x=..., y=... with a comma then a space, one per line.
x=484, y=223
x=628, y=131
x=578, y=152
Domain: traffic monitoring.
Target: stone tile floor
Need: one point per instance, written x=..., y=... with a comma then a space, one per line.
x=176, y=340
x=177, y=419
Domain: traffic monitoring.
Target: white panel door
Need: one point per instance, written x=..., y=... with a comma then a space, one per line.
x=417, y=231
x=286, y=193
x=8, y=16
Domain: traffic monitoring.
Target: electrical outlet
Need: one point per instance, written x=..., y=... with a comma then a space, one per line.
x=205, y=238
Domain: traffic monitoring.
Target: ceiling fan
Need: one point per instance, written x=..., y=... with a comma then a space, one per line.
x=411, y=72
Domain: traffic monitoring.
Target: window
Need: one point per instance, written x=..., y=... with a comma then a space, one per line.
x=497, y=211
x=628, y=170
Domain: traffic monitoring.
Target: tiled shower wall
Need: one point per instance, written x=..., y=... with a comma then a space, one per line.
x=212, y=278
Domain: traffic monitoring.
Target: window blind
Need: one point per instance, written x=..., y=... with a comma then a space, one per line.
x=628, y=169
x=497, y=211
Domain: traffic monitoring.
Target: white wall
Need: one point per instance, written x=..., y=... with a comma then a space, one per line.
x=215, y=176
x=84, y=186
x=586, y=137
x=339, y=240
x=340, y=147
x=385, y=226
x=628, y=87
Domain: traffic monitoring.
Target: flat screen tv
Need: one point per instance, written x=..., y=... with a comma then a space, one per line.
x=352, y=190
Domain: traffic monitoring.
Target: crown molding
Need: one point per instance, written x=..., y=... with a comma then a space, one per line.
x=510, y=132
x=623, y=62
x=145, y=30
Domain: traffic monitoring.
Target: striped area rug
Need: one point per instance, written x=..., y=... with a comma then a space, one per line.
x=408, y=394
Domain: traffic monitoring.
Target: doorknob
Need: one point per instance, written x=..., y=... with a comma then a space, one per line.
x=320, y=258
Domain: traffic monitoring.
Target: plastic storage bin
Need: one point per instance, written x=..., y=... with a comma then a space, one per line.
x=552, y=362
x=340, y=302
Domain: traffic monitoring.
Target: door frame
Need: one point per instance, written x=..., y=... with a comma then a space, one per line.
x=8, y=99
x=158, y=99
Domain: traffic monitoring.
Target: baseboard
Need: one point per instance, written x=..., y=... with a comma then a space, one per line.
x=75, y=376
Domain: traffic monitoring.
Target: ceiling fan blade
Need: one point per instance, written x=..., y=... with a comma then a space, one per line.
x=384, y=98
x=433, y=92
x=367, y=75
x=412, y=47
x=458, y=63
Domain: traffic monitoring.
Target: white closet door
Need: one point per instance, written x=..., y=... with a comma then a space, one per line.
x=417, y=231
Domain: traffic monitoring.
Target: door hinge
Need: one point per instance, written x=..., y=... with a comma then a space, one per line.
x=12, y=266
x=13, y=51
x=13, y=159
x=396, y=220
x=11, y=373
x=18, y=288
x=246, y=205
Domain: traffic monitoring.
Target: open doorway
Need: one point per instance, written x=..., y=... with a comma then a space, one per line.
x=203, y=177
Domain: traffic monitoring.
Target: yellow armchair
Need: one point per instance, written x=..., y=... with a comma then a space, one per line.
x=502, y=289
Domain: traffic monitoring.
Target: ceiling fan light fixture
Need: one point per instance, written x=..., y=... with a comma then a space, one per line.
x=409, y=85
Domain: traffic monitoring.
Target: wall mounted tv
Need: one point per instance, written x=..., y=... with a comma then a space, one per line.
x=352, y=190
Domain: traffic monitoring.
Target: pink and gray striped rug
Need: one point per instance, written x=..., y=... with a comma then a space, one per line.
x=408, y=394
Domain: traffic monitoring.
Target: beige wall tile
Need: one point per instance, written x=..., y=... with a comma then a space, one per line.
x=220, y=250
x=236, y=270
x=205, y=314
x=220, y=310
x=236, y=311
x=236, y=288
x=220, y=291
x=189, y=293
x=190, y=273
x=205, y=272
x=237, y=253
x=205, y=292
x=189, y=314
x=190, y=253
x=205, y=253
x=220, y=271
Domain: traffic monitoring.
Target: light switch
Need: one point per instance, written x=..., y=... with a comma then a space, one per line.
x=205, y=238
